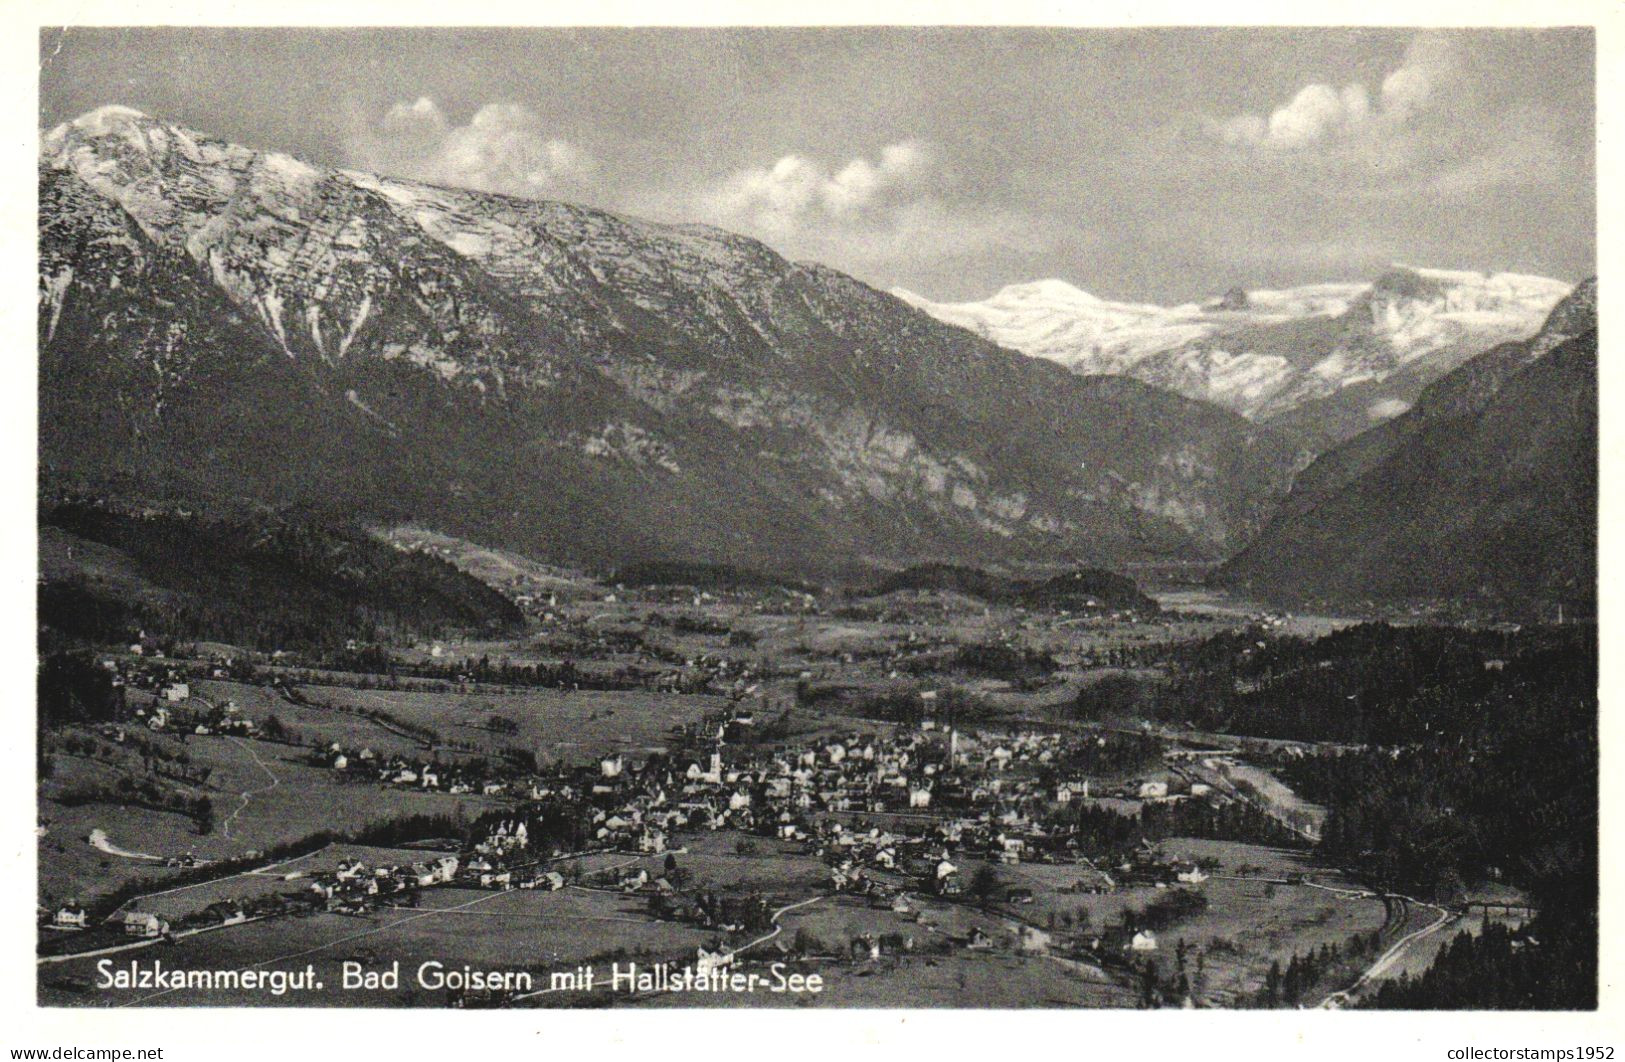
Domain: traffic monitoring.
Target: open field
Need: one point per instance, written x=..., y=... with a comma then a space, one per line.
x=304, y=800
x=517, y=931
x=776, y=868
x=316, y=725
x=1248, y=923
x=567, y=725
x=963, y=980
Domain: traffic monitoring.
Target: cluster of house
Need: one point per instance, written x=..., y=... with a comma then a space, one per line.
x=503, y=859
x=401, y=772
x=727, y=912
x=204, y=718
x=947, y=797
x=159, y=696
x=353, y=887
x=145, y=925
x=177, y=713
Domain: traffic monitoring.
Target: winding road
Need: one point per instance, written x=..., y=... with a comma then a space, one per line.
x=1387, y=959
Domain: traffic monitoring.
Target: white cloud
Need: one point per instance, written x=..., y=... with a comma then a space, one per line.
x=796, y=193
x=877, y=217
x=503, y=148
x=1322, y=112
x=1431, y=61
x=867, y=215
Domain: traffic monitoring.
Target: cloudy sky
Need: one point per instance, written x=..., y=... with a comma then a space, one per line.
x=1159, y=164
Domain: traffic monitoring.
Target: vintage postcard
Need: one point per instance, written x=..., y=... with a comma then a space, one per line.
x=817, y=517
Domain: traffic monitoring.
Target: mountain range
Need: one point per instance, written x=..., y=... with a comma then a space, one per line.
x=223, y=326
x=1486, y=489
x=236, y=329
x=1319, y=363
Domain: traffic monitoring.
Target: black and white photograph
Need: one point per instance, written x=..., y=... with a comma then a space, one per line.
x=814, y=517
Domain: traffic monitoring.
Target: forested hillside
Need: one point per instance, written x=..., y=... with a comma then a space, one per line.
x=262, y=582
x=1444, y=757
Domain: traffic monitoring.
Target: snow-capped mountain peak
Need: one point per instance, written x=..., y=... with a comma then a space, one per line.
x=102, y=121
x=1052, y=290
x=1338, y=356
x=529, y=368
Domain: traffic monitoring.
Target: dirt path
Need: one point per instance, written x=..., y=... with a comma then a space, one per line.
x=248, y=795
x=45, y=960
x=1094, y=971
x=257, y=872
x=99, y=840
x=1358, y=894
x=777, y=928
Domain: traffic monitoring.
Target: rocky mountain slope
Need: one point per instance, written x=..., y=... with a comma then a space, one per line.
x=1320, y=363
x=223, y=323
x=1486, y=489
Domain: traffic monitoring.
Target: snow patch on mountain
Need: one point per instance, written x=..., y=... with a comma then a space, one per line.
x=662, y=369
x=54, y=289
x=1263, y=352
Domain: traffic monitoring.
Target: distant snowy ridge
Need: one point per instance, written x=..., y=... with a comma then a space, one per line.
x=1265, y=353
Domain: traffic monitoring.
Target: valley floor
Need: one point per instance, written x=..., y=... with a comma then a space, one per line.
x=805, y=852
